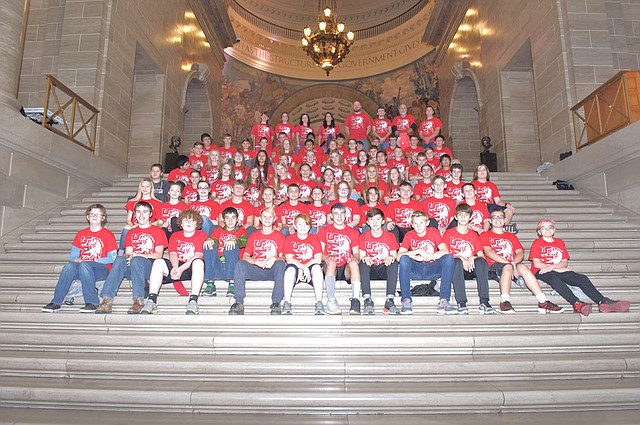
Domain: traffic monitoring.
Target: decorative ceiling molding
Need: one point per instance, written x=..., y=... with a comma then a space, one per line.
x=443, y=23
x=214, y=21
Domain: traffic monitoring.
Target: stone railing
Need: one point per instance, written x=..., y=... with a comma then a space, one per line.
x=79, y=119
x=612, y=106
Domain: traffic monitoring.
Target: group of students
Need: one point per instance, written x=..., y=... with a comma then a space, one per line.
x=313, y=219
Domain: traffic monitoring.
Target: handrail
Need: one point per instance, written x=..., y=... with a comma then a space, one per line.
x=607, y=109
x=296, y=34
x=83, y=134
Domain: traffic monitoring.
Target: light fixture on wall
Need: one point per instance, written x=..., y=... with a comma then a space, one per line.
x=330, y=43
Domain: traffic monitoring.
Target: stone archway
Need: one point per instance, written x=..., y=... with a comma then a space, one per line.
x=464, y=118
x=198, y=117
x=321, y=98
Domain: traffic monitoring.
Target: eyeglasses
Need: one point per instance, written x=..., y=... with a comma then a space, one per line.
x=547, y=227
x=95, y=215
x=497, y=217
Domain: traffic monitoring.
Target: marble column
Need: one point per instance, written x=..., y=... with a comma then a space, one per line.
x=12, y=14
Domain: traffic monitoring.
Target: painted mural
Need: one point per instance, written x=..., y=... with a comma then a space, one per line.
x=247, y=92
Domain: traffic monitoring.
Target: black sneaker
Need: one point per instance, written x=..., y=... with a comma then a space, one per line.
x=51, y=308
x=276, y=310
x=236, y=309
x=355, y=307
x=88, y=308
x=368, y=307
x=390, y=307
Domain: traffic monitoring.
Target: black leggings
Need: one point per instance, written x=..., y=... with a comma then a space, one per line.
x=559, y=281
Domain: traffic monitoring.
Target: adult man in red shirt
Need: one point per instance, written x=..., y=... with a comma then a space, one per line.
x=404, y=122
x=357, y=125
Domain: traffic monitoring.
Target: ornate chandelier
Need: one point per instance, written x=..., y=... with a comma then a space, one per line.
x=330, y=43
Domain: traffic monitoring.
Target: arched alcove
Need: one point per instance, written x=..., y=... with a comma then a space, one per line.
x=464, y=122
x=198, y=117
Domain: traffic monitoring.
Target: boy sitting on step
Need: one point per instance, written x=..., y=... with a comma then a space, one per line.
x=222, y=252
x=184, y=263
x=550, y=263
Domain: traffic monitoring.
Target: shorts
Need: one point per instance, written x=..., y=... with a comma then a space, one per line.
x=297, y=278
x=186, y=275
x=495, y=271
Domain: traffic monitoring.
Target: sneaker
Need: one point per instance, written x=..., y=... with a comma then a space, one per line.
x=463, y=309
x=355, y=307
x=320, y=309
x=209, y=289
x=105, y=307
x=231, y=290
x=192, y=308
x=611, y=306
x=368, y=307
x=445, y=307
x=286, y=308
x=136, y=307
x=88, y=308
x=390, y=307
x=275, y=309
x=149, y=307
x=507, y=308
x=238, y=309
x=549, y=307
x=582, y=308
x=406, y=307
x=333, y=307
x=51, y=308
x=485, y=308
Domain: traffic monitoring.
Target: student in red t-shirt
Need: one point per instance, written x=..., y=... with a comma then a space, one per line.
x=469, y=262
x=487, y=191
x=226, y=150
x=207, y=208
x=289, y=210
x=359, y=169
x=246, y=211
x=480, y=217
x=445, y=167
x=439, y=207
x=381, y=126
x=422, y=190
x=550, y=263
x=263, y=259
x=142, y=246
x=414, y=172
x=318, y=210
x=430, y=127
x=341, y=252
x=222, y=189
x=181, y=173
x=263, y=129
x=172, y=209
x=302, y=130
x=303, y=255
x=505, y=253
x=184, y=263
x=190, y=192
x=439, y=148
x=145, y=193
x=454, y=187
x=247, y=152
x=198, y=159
x=399, y=212
x=93, y=250
x=424, y=255
x=352, y=208
x=378, y=249
x=222, y=252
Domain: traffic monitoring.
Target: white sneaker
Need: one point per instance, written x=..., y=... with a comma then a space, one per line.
x=333, y=307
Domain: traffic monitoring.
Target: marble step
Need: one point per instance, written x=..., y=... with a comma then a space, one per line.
x=303, y=368
x=320, y=397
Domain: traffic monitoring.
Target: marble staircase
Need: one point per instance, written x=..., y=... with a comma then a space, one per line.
x=338, y=365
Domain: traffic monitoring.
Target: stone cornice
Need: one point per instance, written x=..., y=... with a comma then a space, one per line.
x=443, y=23
x=214, y=21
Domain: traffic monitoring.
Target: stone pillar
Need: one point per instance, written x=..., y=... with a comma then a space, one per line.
x=12, y=14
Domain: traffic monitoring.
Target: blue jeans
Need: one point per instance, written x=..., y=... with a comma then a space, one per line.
x=137, y=271
x=207, y=225
x=244, y=270
x=412, y=269
x=213, y=267
x=88, y=272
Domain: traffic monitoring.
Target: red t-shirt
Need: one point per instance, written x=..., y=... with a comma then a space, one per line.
x=486, y=191
x=401, y=213
x=211, y=175
x=198, y=162
x=357, y=125
x=239, y=172
x=289, y=212
x=169, y=211
x=252, y=194
x=377, y=248
x=145, y=241
x=383, y=171
x=263, y=247
x=359, y=172
x=222, y=189
x=190, y=194
x=445, y=174
x=429, y=242
x=244, y=208
x=260, y=130
x=550, y=253
x=440, y=209
x=206, y=208
x=302, y=131
x=339, y=243
x=353, y=208
x=480, y=213
x=306, y=187
x=403, y=124
x=428, y=128
x=505, y=244
x=422, y=189
x=440, y=152
x=156, y=205
x=454, y=190
x=381, y=127
x=223, y=236
x=187, y=247
x=319, y=214
x=287, y=129
x=402, y=165
x=350, y=158
x=227, y=153
x=176, y=175
x=460, y=245
x=302, y=250
x=95, y=245
x=324, y=133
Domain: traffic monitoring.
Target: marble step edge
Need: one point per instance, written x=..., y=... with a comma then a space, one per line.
x=211, y=397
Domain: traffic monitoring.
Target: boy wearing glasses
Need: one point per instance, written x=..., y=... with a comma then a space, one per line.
x=550, y=263
x=504, y=254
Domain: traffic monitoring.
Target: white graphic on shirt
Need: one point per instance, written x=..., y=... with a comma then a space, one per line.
x=185, y=251
x=462, y=247
x=378, y=251
x=318, y=218
x=357, y=122
x=476, y=218
x=440, y=211
x=142, y=243
x=302, y=251
x=265, y=249
x=338, y=247
x=551, y=255
x=424, y=244
x=503, y=248
x=91, y=248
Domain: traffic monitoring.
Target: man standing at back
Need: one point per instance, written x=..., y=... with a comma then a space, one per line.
x=358, y=124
